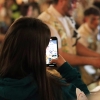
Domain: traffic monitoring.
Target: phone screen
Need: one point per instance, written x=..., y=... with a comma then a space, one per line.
x=52, y=51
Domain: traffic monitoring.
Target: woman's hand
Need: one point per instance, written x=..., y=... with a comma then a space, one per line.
x=59, y=61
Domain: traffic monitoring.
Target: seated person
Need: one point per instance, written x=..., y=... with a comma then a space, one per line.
x=88, y=30
x=23, y=74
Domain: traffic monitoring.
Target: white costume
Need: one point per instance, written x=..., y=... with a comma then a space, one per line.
x=62, y=28
x=88, y=36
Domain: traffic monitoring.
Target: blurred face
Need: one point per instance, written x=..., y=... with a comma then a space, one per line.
x=32, y=12
x=73, y=6
x=66, y=5
x=93, y=21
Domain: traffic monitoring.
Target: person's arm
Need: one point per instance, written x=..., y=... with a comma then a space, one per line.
x=84, y=51
x=75, y=60
x=72, y=76
x=71, y=58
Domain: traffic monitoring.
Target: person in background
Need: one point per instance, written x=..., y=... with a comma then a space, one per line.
x=78, y=13
x=56, y=17
x=30, y=10
x=88, y=72
x=97, y=4
x=61, y=26
x=12, y=9
x=5, y=20
x=23, y=71
x=88, y=30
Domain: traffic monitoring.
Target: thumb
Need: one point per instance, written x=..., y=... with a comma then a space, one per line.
x=59, y=61
x=54, y=61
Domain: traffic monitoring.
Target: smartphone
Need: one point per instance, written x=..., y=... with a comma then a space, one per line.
x=52, y=51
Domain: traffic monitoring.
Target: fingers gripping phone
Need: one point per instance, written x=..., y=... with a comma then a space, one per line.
x=52, y=51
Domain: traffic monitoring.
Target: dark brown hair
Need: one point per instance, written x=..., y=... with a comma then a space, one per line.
x=23, y=51
x=54, y=1
x=24, y=8
x=92, y=11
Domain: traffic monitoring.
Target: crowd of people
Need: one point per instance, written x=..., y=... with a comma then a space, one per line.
x=25, y=31
x=59, y=19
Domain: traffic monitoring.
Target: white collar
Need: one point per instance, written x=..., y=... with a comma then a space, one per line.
x=90, y=30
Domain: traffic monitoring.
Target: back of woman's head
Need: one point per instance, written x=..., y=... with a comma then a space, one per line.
x=23, y=51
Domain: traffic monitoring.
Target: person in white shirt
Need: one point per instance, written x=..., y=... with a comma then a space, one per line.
x=88, y=30
x=61, y=27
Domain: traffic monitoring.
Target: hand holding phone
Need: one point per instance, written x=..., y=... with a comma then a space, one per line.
x=59, y=61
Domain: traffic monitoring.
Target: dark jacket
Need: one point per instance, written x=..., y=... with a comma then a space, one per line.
x=26, y=88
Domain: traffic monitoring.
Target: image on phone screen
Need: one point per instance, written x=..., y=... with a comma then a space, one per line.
x=52, y=51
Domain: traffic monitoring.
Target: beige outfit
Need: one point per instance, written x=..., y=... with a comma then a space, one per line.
x=88, y=39
x=61, y=27
x=88, y=36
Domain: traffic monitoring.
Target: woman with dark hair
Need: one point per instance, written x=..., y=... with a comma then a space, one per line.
x=23, y=74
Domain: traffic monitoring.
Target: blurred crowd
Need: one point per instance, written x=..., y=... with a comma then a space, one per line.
x=13, y=9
